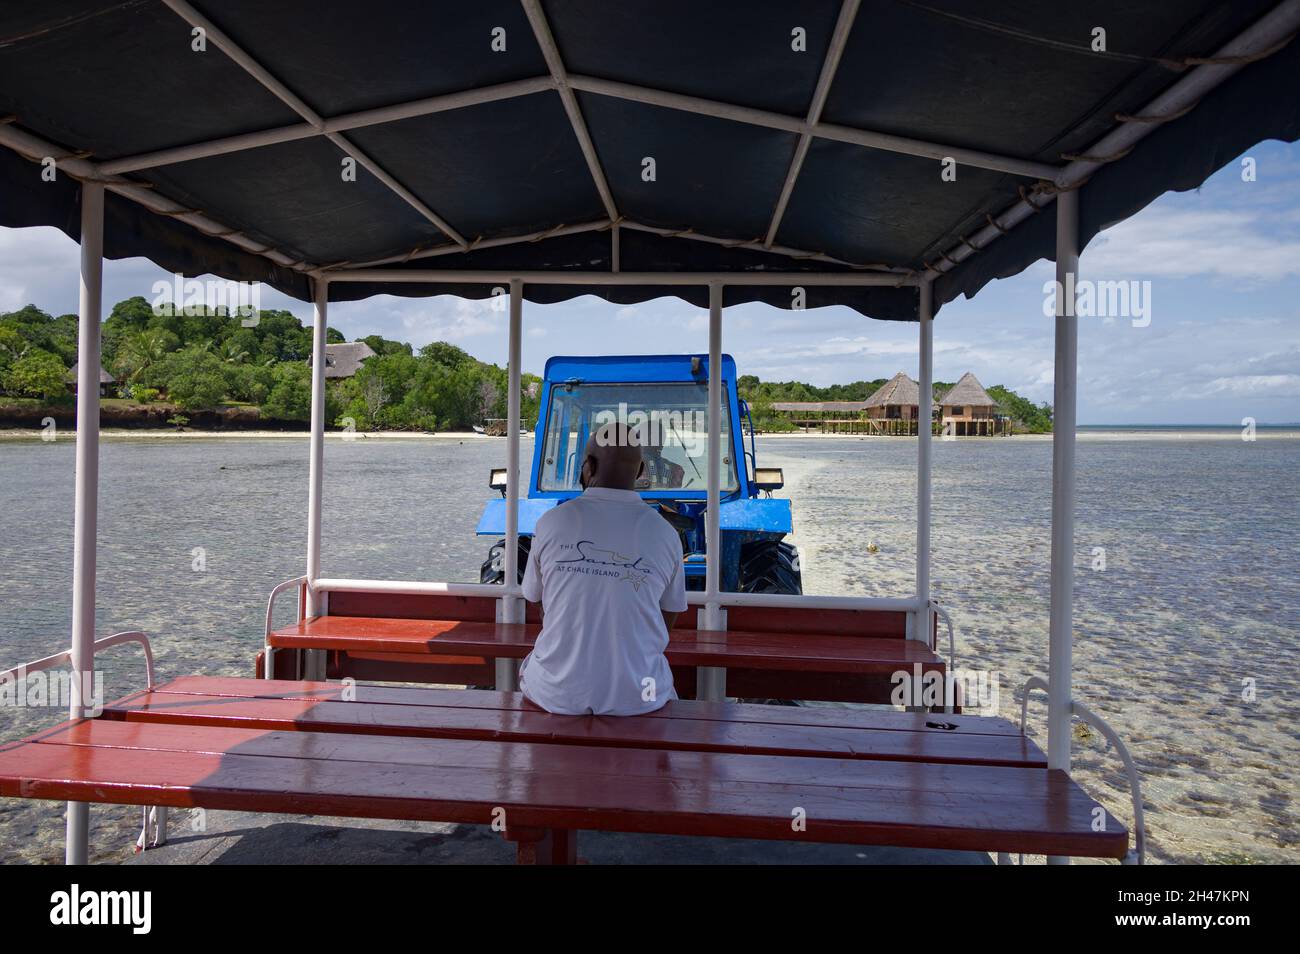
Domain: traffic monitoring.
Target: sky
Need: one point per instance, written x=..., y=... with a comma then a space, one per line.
x=1218, y=339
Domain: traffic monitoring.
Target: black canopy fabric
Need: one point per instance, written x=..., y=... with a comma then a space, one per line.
x=112, y=79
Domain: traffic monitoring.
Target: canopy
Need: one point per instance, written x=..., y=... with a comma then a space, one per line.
x=642, y=136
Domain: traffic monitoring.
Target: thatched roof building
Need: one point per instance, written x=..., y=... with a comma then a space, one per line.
x=105, y=379
x=344, y=360
x=967, y=392
x=900, y=390
x=967, y=410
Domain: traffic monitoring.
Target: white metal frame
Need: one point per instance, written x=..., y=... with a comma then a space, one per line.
x=68, y=656
x=86, y=505
x=1282, y=21
x=1064, y=392
x=1077, y=709
x=153, y=830
x=268, y=651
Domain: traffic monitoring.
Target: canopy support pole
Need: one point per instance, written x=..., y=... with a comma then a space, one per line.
x=711, y=681
x=925, y=380
x=512, y=605
x=316, y=468
x=86, y=506
x=1064, y=393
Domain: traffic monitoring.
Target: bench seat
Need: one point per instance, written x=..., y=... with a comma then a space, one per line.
x=561, y=787
x=683, y=725
x=808, y=652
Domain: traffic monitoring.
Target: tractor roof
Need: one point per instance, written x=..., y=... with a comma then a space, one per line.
x=626, y=369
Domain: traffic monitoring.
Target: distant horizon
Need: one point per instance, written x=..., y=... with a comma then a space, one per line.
x=1189, y=427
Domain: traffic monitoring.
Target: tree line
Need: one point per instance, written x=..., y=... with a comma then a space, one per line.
x=201, y=358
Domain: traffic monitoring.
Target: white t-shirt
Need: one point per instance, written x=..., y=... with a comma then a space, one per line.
x=603, y=565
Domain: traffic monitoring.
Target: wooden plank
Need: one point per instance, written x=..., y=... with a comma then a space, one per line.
x=806, y=652
x=443, y=637
x=847, y=622
x=525, y=725
x=857, y=688
x=855, y=718
x=843, y=622
x=569, y=787
x=418, y=606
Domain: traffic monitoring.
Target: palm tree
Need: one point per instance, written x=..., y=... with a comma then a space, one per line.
x=139, y=352
x=231, y=353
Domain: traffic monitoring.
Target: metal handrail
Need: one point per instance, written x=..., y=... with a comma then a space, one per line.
x=949, y=703
x=153, y=830
x=49, y=662
x=952, y=645
x=1138, y=854
x=302, y=583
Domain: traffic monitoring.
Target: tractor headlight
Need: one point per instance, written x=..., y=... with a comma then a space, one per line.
x=497, y=479
x=769, y=478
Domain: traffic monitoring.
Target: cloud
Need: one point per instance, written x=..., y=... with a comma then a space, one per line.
x=1179, y=243
x=1256, y=385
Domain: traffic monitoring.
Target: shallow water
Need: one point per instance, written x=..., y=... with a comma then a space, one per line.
x=1201, y=588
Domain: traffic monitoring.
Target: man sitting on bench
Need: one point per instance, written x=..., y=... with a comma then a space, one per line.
x=607, y=570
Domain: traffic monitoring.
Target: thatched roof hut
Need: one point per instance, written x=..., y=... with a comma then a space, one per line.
x=967, y=410
x=899, y=390
x=967, y=392
x=344, y=360
x=897, y=397
x=105, y=379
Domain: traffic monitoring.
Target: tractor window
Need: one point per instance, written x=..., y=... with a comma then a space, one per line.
x=670, y=418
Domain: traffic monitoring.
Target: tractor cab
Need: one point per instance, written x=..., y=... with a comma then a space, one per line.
x=663, y=400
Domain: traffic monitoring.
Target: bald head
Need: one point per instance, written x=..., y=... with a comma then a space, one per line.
x=612, y=458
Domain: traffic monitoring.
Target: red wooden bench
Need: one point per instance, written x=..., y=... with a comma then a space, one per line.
x=881, y=778
x=679, y=725
x=825, y=655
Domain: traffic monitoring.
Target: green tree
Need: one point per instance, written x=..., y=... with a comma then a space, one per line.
x=1029, y=416
x=445, y=355
x=41, y=330
x=139, y=352
x=194, y=378
x=37, y=374
x=375, y=394
x=13, y=345
x=289, y=398
x=128, y=317
x=383, y=346
x=249, y=382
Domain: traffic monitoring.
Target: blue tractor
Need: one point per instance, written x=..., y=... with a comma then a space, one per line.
x=664, y=397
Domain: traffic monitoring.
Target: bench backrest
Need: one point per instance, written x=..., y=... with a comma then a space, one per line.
x=757, y=619
x=745, y=683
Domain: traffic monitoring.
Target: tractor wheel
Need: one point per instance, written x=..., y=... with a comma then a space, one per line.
x=493, y=569
x=770, y=566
